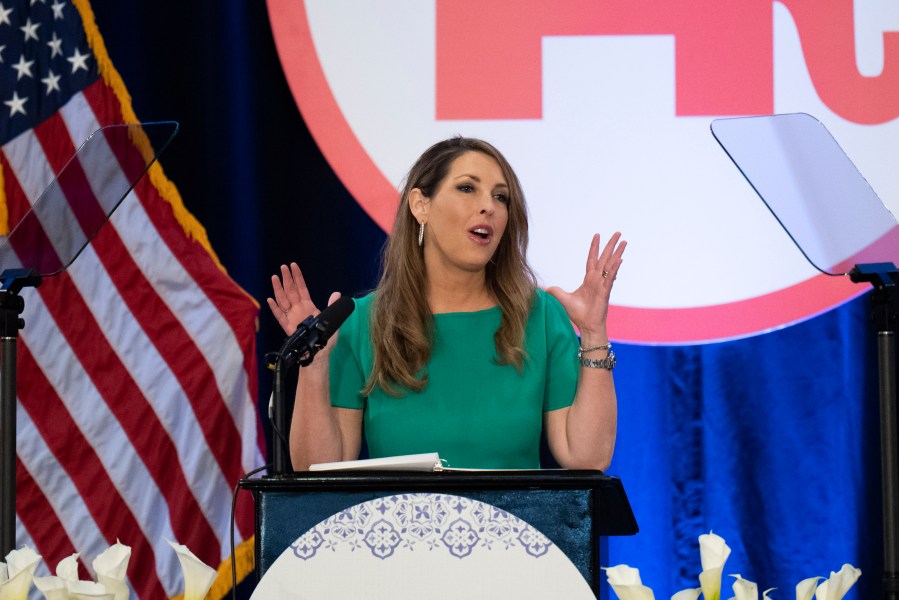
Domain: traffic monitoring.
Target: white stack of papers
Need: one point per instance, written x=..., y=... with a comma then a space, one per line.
x=411, y=462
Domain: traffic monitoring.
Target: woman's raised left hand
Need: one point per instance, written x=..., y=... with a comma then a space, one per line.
x=588, y=305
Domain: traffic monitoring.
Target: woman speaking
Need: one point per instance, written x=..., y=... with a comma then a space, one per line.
x=457, y=351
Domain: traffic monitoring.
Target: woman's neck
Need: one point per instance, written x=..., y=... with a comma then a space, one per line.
x=462, y=292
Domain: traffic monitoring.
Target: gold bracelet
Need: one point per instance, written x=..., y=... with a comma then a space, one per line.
x=582, y=351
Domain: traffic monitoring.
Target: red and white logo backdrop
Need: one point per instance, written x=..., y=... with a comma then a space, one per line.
x=604, y=108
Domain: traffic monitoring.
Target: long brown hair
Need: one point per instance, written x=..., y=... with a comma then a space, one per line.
x=402, y=324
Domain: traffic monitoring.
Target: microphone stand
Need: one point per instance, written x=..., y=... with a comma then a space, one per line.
x=884, y=307
x=300, y=348
x=281, y=464
x=280, y=362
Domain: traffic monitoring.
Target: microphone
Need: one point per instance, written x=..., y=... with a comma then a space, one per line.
x=314, y=332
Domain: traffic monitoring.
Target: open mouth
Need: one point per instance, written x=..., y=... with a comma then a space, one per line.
x=482, y=233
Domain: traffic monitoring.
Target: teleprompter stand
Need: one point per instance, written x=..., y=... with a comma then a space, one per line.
x=47, y=239
x=884, y=277
x=11, y=306
x=840, y=225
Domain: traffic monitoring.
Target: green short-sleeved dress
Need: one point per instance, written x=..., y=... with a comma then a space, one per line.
x=473, y=411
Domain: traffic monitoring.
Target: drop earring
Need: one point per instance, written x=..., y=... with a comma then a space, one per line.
x=421, y=234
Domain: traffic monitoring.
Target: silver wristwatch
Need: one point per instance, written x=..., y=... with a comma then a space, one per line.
x=605, y=363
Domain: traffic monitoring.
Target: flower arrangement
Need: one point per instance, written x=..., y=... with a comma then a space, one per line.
x=17, y=575
x=713, y=551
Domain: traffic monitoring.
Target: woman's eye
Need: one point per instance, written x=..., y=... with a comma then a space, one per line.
x=465, y=187
x=502, y=198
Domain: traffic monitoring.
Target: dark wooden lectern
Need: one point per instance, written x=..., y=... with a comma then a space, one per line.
x=571, y=508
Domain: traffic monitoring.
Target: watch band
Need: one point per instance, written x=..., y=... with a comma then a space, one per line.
x=604, y=363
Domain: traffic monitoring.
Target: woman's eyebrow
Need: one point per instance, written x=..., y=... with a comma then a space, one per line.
x=478, y=179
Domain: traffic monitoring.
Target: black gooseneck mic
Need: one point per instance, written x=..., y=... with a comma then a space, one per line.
x=314, y=332
x=300, y=348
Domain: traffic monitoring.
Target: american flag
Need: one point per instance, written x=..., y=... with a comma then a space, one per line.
x=136, y=368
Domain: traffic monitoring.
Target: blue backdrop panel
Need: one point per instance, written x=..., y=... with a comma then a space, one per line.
x=772, y=442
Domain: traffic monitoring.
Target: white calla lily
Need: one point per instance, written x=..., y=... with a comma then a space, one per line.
x=745, y=589
x=710, y=580
x=53, y=587
x=113, y=562
x=838, y=584
x=118, y=589
x=16, y=587
x=111, y=567
x=713, y=552
x=20, y=566
x=622, y=575
x=625, y=582
x=688, y=594
x=67, y=569
x=88, y=590
x=198, y=576
x=805, y=589
x=22, y=560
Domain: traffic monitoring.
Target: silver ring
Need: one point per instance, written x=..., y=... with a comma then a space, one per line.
x=605, y=274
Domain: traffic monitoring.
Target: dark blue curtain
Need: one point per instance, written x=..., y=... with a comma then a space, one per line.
x=771, y=441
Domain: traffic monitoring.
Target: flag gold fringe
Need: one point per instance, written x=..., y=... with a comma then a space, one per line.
x=4, y=211
x=245, y=558
x=192, y=228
